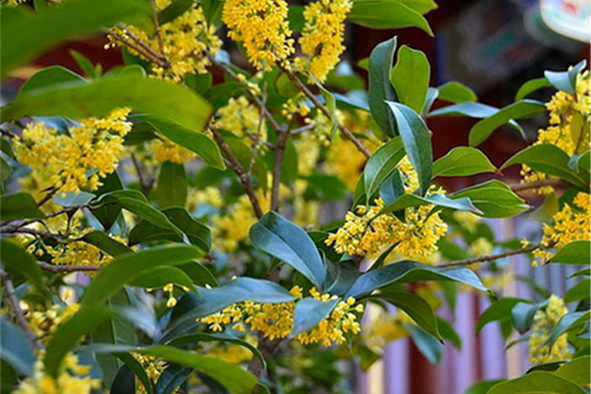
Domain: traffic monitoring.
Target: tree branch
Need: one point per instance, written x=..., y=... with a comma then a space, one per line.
x=345, y=131
x=277, y=166
x=518, y=187
x=239, y=170
x=491, y=257
x=68, y=268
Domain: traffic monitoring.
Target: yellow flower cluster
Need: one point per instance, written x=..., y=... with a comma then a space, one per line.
x=77, y=160
x=69, y=380
x=153, y=367
x=184, y=42
x=385, y=328
x=466, y=219
x=366, y=232
x=544, y=321
x=570, y=224
x=568, y=116
x=276, y=320
x=210, y=195
x=163, y=149
x=295, y=105
x=480, y=247
x=243, y=119
x=262, y=27
x=322, y=38
x=233, y=353
x=45, y=323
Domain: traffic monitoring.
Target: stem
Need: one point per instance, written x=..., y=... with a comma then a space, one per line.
x=47, y=197
x=277, y=165
x=68, y=268
x=491, y=257
x=145, y=186
x=157, y=24
x=140, y=47
x=18, y=312
x=345, y=131
x=239, y=170
x=537, y=184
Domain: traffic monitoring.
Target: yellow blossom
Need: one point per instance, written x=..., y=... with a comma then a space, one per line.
x=385, y=328
x=466, y=219
x=480, y=247
x=544, y=321
x=242, y=118
x=45, y=322
x=163, y=149
x=262, y=27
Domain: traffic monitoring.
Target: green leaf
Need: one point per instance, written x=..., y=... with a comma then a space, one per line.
x=578, y=292
x=199, y=274
x=499, y=310
x=171, y=378
x=284, y=240
x=161, y=276
x=190, y=138
x=412, y=200
x=537, y=382
x=417, y=141
x=295, y=16
x=380, y=88
x=584, y=272
x=174, y=10
x=448, y=332
x=427, y=345
x=392, y=188
x=521, y=109
x=573, y=253
x=576, y=370
x=565, y=80
x=420, y=6
x=49, y=76
x=209, y=301
x=124, y=269
x=16, y=348
x=309, y=312
x=197, y=233
x=325, y=188
x=569, y=322
x=456, y=92
x=482, y=387
x=470, y=109
x=462, y=161
x=97, y=98
x=137, y=369
x=124, y=381
x=549, y=159
x=411, y=271
x=381, y=165
x=19, y=206
x=59, y=23
x=17, y=260
x=410, y=77
x=495, y=199
x=212, y=10
x=107, y=244
x=86, y=65
x=70, y=199
x=107, y=215
x=416, y=307
x=244, y=154
x=386, y=14
x=523, y=314
x=171, y=189
x=330, y=103
x=531, y=86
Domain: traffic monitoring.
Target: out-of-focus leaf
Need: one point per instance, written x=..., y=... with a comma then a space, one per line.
x=171, y=189
x=19, y=206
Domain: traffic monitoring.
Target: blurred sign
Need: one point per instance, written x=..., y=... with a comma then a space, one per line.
x=571, y=18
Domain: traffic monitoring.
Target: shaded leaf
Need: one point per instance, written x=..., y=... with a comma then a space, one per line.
x=17, y=260
x=380, y=88
x=19, y=206
x=576, y=252
x=309, y=312
x=416, y=308
x=462, y=161
x=382, y=164
x=495, y=199
x=171, y=189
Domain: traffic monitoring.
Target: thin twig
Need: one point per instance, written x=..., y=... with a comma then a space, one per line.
x=536, y=184
x=16, y=308
x=239, y=170
x=140, y=175
x=50, y=193
x=157, y=24
x=68, y=268
x=139, y=48
x=491, y=257
x=277, y=167
x=35, y=232
x=345, y=131
x=302, y=129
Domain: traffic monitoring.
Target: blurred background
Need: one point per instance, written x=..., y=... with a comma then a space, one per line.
x=493, y=46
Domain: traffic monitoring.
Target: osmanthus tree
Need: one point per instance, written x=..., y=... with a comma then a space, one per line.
x=162, y=234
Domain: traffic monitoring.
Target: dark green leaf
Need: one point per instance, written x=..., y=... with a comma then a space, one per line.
x=171, y=378
x=380, y=88
x=523, y=314
x=499, y=310
x=284, y=240
x=565, y=80
x=161, y=276
x=49, y=76
x=456, y=92
x=124, y=381
x=417, y=141
x=549, y=159
x=584, y=272
x=531, y=86
x=416, y=307
x=107, y=244
x=17, y=260
x=576, y=370
x=157, y=97
x=521, y=109
x=578, y=292
x=16, y=348
x=462, y=161
x=325, y=188
x=410, y=77
x=107, y=215
x=86, y=65
x=448, y=332
x=573, y=253
x=309, y=312
x=199, y=274
x=387, y=14
x=56, y=24
x=381, y=165
x=495, y=199
x=412, y=200
x=570, y=322
x=212, y=10
x=537, y=382
x=392, y=188
x=411, y=271
x=19, y=206
x=174, y=9
x=171, y=189
x=427, y=345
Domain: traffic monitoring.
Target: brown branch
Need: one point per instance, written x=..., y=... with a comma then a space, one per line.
x=345, y=131
x=16, y=308
x=239, y=170
x=277, y=166
x=35, y=232
x=518, y=187
x=157, y=25
x=51, y=192
x=491, y=257
x=142, y=48
x=68, y=268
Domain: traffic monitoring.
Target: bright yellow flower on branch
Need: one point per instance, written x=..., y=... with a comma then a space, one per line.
x=544, y=321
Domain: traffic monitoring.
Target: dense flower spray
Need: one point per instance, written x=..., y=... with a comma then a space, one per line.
x=544, y=321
